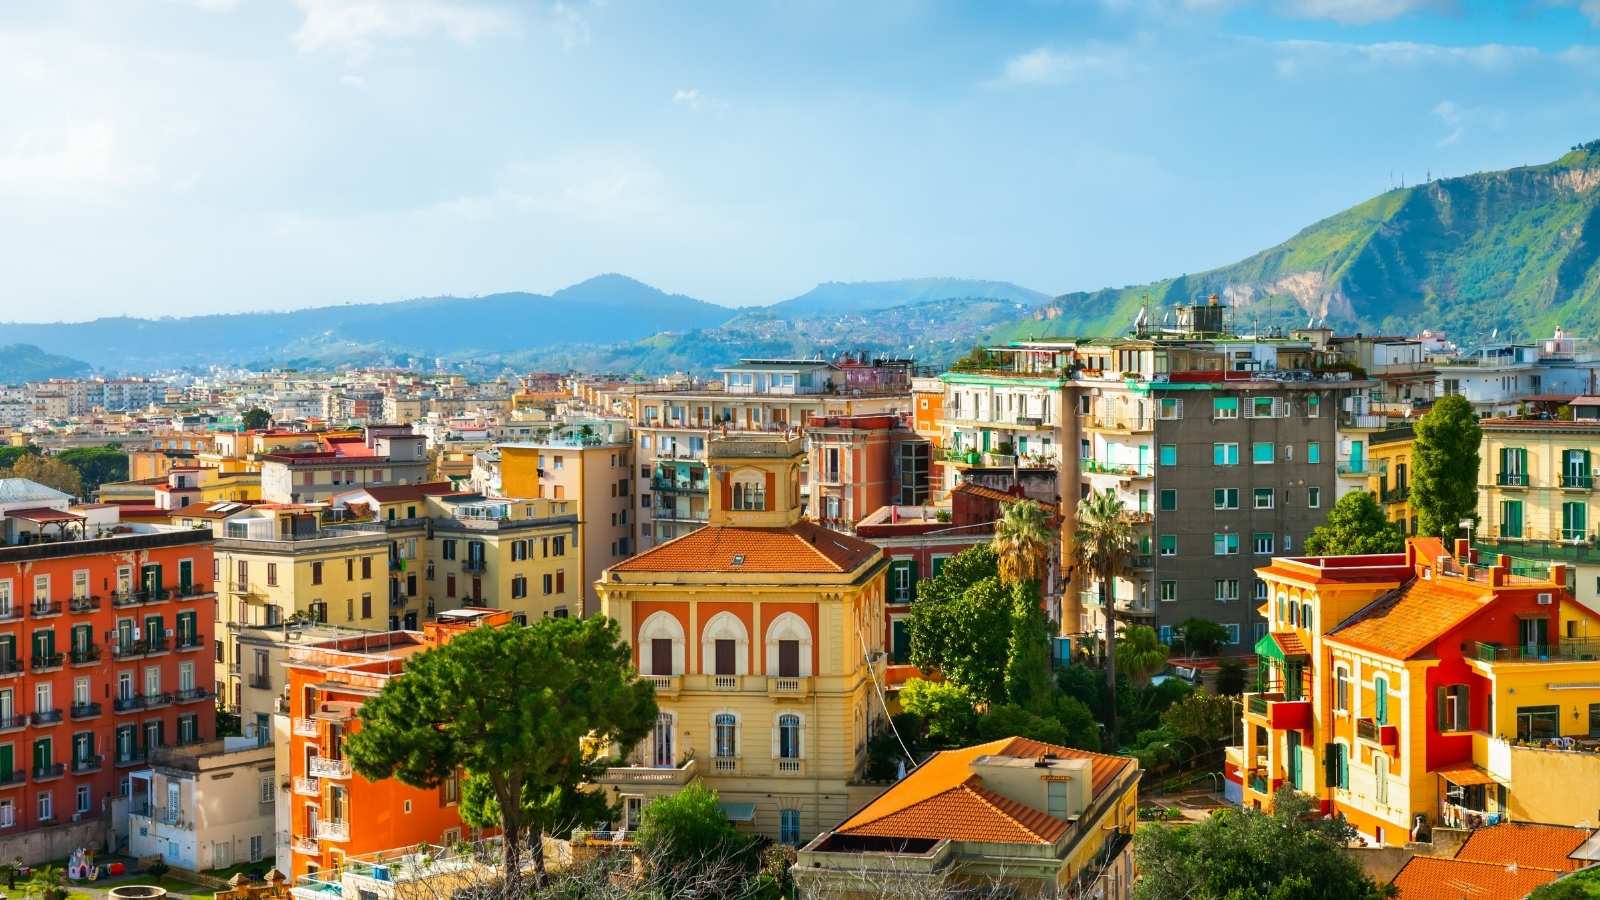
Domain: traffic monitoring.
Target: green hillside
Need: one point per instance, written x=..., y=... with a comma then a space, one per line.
x=25, y=362
x=1517, y=250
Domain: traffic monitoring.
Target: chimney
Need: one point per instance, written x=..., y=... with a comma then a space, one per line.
x=1463, y=549
x=1558, y=574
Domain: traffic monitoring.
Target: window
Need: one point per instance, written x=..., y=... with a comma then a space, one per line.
x=1169, y=408
x=1261, y=590
x=1224, y=543
x=902, y=580
x=1262, y=498
x=316, y=573
x=1574, y=520
x=789, y=736
x=1055, y=799
x=1167, y=454
x=1225, y=454
x=1168, y=544
x=725, y=727
x=1233, y=632
x=1227, y=590
x=519, y=587
x=1452, y=712
x=47, y=809
x=366, y=567
x=1263, y=407
x=1169, y=500
x=1313, y=452
x=1380, y=779
x=1225, y=498
x=272, y=574
x=1511, y=518
x=1261, y=453
x=1168, y=591
x=749, y=495
x=83, y=798
x=1313, y=406
x=8, y=814
x=1225, y=408
x=1338, y=766
x=1313, y=498
x=789, y=826
x=1261, y=543
x=1341, y=690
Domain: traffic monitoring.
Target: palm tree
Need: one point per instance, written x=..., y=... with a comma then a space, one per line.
x=1141, y=652
x=1103, y=544
x=1022, y=542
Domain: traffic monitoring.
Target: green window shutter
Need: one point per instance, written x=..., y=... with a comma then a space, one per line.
x=1380, y=689
x=1441, y=718
x=1330, y=765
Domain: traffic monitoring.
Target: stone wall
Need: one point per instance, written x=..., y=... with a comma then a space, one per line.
x=41, y=845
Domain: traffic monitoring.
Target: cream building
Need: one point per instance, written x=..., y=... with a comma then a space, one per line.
x=763, y=634
x=206, y=806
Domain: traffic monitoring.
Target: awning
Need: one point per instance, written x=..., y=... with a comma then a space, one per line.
x=1465, y=775
x=1281, y=646
x=739, y=812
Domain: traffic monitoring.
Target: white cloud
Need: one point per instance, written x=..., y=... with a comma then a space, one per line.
x=696, y=100
x=1458, y=120
x=1297, y=56
x=1590, y=8
x=86, y=159
x=356, y=27
x=1047, y=66
x=1358, y=12
x=1450, y=114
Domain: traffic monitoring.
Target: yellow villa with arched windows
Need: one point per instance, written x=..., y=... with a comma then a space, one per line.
x=763, y=634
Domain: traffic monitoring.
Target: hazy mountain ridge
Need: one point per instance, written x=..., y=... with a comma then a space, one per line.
x=25, y=362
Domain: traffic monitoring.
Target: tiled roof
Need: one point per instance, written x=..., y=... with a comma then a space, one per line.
x=942, y=798
x=1465, y=774
x=1528, y=844
x=987, y=493
x=392, y=493
x=43, y=514
x=1290, y=643
x=1404, y=622
x=1430, y=878
x=803, y=548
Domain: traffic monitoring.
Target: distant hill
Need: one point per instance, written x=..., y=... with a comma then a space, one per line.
x=1516, y=250
x=25, y=362
x=603, y=309
x=834, y=297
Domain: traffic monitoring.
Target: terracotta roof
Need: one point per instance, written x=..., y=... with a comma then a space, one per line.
x=987, y=493
x=392, y=493
x=42, y=514
x=1404, y=622
x=1290, y=643
x=1528, y=844
x=942, y=798
x=801, y=548
x=1430, y=878
x=1464, y=774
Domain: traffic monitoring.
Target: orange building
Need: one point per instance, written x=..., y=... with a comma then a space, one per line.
x=104, y=634
x=859, y=464
x=336, y=813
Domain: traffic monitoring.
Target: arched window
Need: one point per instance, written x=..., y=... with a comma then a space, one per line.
x=1294, y=613
x=1283, y=601
x=661, y=645
x=663, y=742
x=788, y=643
x=725, y=646
x=1305, y=615
x=787, y=737
x=750, y=492
x=725, y=735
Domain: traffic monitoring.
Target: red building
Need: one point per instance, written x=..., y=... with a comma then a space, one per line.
x=859, y=464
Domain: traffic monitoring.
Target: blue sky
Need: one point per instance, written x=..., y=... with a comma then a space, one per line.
x=171, y=157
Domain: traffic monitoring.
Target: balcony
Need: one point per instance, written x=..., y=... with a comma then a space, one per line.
x=131, y=758
x=1349, y=467
x=621, y=775
x=306, y=847
x=1278, y=713
x=1126, y=470
x=160, y=698
x=333, y=831
x=91, y=763
x=674, y=486
x=13, y=723
x=188, y=642
x=307, y=787
x=83, y=605
x=83, y=656
x=304, y=727
x=49, y=771
x=1128, y=424
x=474, y=565
x=1511, y=479
x=323, y=767
x=192, y=695
x=46, y=717
x=725, y=682
x=1384, y=735
x=13, y=778
x=724, y=765
x=1581, y=482
x=125, y=599
x=10, y=613
x=1565, y=651
x=156, y=644
x=125, y=647
x=666, y=685
x=1362, y=421
x=782, y=686
x=261, y=681
x=81, y=711
x=190, y=591
x=47, y=662
x=1396, y=494
x=128, y=704
x=791, y=767
x=44, y=609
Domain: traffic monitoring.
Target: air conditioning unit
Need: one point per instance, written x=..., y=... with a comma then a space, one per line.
x=1544, y=600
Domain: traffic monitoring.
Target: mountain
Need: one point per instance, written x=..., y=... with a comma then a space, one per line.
x=835, y=297
x=25, y=362
x=603, y=309
x=1515, y=250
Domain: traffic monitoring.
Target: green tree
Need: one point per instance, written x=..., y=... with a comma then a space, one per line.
x=948, y=710
x=1086, y=686
x=1583, y=885
x=10, y=455
x=1021, y=542
x=1230, y=678
x=255, y=418
x=1354, y=526
x=1103, y=545
x=961, y=624
x=1027, y=676
x=1291, y=854
x=511, y=706
x=1141, y=653
x=96, y=465
x=685, y=835
x=1202, y=717
x=1444, y=466
x=1067, y=723
x=48, y=471
x=1202, y=637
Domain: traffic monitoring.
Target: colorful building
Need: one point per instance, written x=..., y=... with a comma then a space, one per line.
x=105, y=642
x=858, y=464
x=763, y=634
x=1430, y=685
x=1390, y=482
x=1040, y=819
x=336, y=813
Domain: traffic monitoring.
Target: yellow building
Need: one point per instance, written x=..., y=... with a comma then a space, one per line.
x=1429, y=684
x=1390, y=482
x=1039, y=819
x=594, y=472
x=217, y=486
x=763, y=634
x=1535, y=496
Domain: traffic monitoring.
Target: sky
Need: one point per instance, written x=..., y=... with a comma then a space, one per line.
x=176, y=157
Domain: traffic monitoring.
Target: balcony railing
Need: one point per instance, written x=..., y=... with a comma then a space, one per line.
x=13, y=778
x=90, y=763
x=10, y=666
x=159, y=698
x=85, y=710
x=134, y=757
x=83, y=604
x=788, y=686
x=304, y=727
x=333, y=831
x=675, y=775
x=261, y=681
x=474, y=565
x=789, y=766
x=665, y=685
x=1568, y=650
x=44, y=661
x=41, y=609
x=1577, y=482
x=82, y=656
x=1362, y=467
x=192, y=695
x=306, y=846
x=1512, y=479
x=46, y=717
x=12, y=723
x=307, y=787
x=48, y=771
x=323, y=767
x=128, y=704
